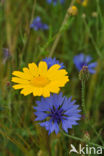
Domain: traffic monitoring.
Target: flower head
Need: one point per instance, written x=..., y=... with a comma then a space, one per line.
x=55, y=111
x=38, y=25
x=40, y=80
x=55, y=1
x=73, y=10
x=83, y=2
x=51, y=61
x=6, y=55
x=81, y=60
x=84, y=73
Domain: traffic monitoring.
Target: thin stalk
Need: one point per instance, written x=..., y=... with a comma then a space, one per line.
x=59, y=33
x=83, y=96
x=29, y=32
x=92, y=39
x=82, y=140
x=9, y=109
x=98, y=134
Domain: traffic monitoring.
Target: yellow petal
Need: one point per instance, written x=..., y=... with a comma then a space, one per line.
x=26, y=91
x=62, y=83
x=57, y=75
x=18, y=86
x=21, y=75
x=54, y=88
x=54, y=67
x=18, y=80
x=62, y=72
x=27, y=73
x=46, y=92
x=38, y=91
x=53, y=70
x=42, y=68
x=18, y=73
x=33, y=69
x=35, y=92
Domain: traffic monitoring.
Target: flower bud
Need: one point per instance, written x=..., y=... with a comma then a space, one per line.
x=73, y=10
x=86, y=136
x=84, y=73
x=83, y=15
x=82, y=2
x=94, y=14
x=8, y=84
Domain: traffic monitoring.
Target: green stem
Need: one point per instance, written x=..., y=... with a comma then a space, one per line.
x=97, y=134
x=83, y=97
x=9, y=109
x=59, y=33
x=92, y=39
x=79, y=139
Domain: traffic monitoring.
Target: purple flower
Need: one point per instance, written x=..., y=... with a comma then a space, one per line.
x=55, y=111
x=51, y=61
x=38, y=25
x=55, y=1
x=6, y=55
x=81, y=60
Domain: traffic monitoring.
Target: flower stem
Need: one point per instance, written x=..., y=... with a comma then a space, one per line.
x=59, y=33
x=92, y=39
x=83, y=97
x=80, y=139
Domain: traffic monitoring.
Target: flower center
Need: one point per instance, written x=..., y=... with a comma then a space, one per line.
x=40, y=81
x=83, y=64
x=56, y=115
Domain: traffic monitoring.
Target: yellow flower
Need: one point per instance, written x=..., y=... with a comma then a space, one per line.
x=83, y=2
x=73, y=10
x=40, y=80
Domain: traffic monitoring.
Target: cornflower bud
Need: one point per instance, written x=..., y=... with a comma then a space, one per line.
x=84, y=73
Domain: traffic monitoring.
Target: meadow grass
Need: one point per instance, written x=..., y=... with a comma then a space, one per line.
x=67, y=36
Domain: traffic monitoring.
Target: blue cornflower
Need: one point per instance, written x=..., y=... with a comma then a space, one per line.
x=38, y=25
x=6, y=55
x=81, y=60
x=51, y=61
x=55, y=1
x=55, y=111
